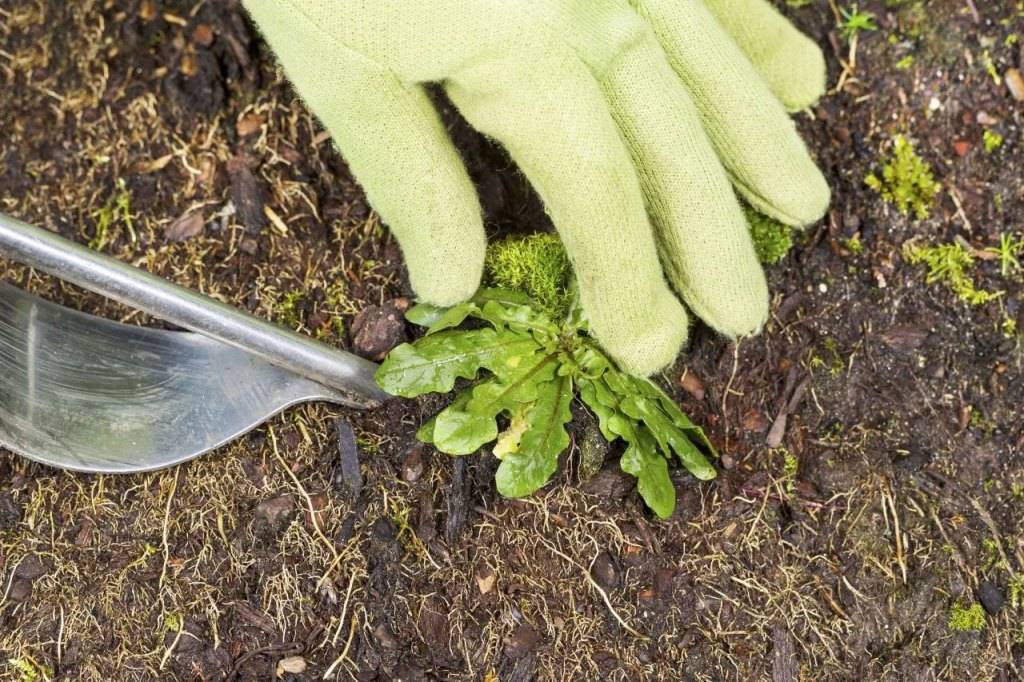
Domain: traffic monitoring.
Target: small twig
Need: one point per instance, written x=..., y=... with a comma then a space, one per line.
x=826, y=594
x=897, y=532
x=488, y=513
x=593, y=583
x=344, y=607
x=957, y=554
x=166, y=533
x=173, y=646
x=313, y=514
x=60, y=638
x=728, y=388
x=857, y=593
x=775, y=497
x=344, y=652
x=996, y=535
x=955, y=196
x=280, y=650
x=974, y=11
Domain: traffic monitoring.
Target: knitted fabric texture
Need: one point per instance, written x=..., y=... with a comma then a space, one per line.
x=637, y=122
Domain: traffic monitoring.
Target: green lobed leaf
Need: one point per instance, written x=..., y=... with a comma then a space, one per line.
x=592, y=362
x=669, y=437
x=588, y=393
x=535, y=386
x=433, y=363
x=519, y=385
x=695, y=433
x=473, y=423
x=523, y=472
x=518, y=317
x=622, y=403
x=425, y=434
x=504, y=296
x=623, y=426
x=509, y=440
x=453, y=317
x=424, y=314
x=650, y=468
x=460, y=432
x=604, y=393
x=605, y=404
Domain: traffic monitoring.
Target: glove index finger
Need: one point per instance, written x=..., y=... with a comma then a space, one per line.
x=394, y=142
x=547, y=108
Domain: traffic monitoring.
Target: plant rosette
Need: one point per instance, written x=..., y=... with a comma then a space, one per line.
x=527, y=369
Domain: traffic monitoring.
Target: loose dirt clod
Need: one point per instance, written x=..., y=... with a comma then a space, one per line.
x=293, y=665
x=10, y=514
x=378, y=329
x=521, y=642
x=275, y=512
x=185, y=227
x=247, y=194
x=414, y=463
x=991, y=597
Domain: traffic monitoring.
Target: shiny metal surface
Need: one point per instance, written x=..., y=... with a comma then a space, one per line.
x=84, y=393
x=189, y=309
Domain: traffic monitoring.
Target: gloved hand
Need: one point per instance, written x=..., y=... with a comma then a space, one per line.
x=634, y=120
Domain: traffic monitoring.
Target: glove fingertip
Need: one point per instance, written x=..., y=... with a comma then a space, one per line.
x=797, y=76
x=643, y=352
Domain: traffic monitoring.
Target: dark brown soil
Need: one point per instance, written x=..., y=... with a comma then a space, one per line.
x=894, y=498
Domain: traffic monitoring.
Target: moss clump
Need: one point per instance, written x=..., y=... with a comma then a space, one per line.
x=992, y=140
x=906, y=180
x=948, y=264
x=772, y=239
x=966, y=618
x=536, y=265
x=118, y=207
x=289, y=310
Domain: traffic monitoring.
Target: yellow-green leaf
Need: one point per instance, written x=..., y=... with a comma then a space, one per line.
x=433, y=363
x=525, y=471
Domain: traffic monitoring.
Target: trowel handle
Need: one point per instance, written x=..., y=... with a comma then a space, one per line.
x=143, y=291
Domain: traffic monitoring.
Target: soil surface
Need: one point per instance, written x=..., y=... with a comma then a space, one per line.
x=872, y=479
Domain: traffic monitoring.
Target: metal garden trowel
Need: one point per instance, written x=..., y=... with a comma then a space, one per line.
x=89, y=394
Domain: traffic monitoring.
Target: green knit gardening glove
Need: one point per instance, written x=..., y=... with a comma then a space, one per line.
x=637, y=122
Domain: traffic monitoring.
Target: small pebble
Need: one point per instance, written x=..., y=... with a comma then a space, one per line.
x=991, y=597
x=604, y=572
x=692, y=384
x=985, y=119
x=378, y=329
x=1015, y=83
x=384, y=635
x=293, y=665
x=249, y=124
x=755, y=421
x=202, y=34
x=521, y=642
x=413, y=465
x=276, y=511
